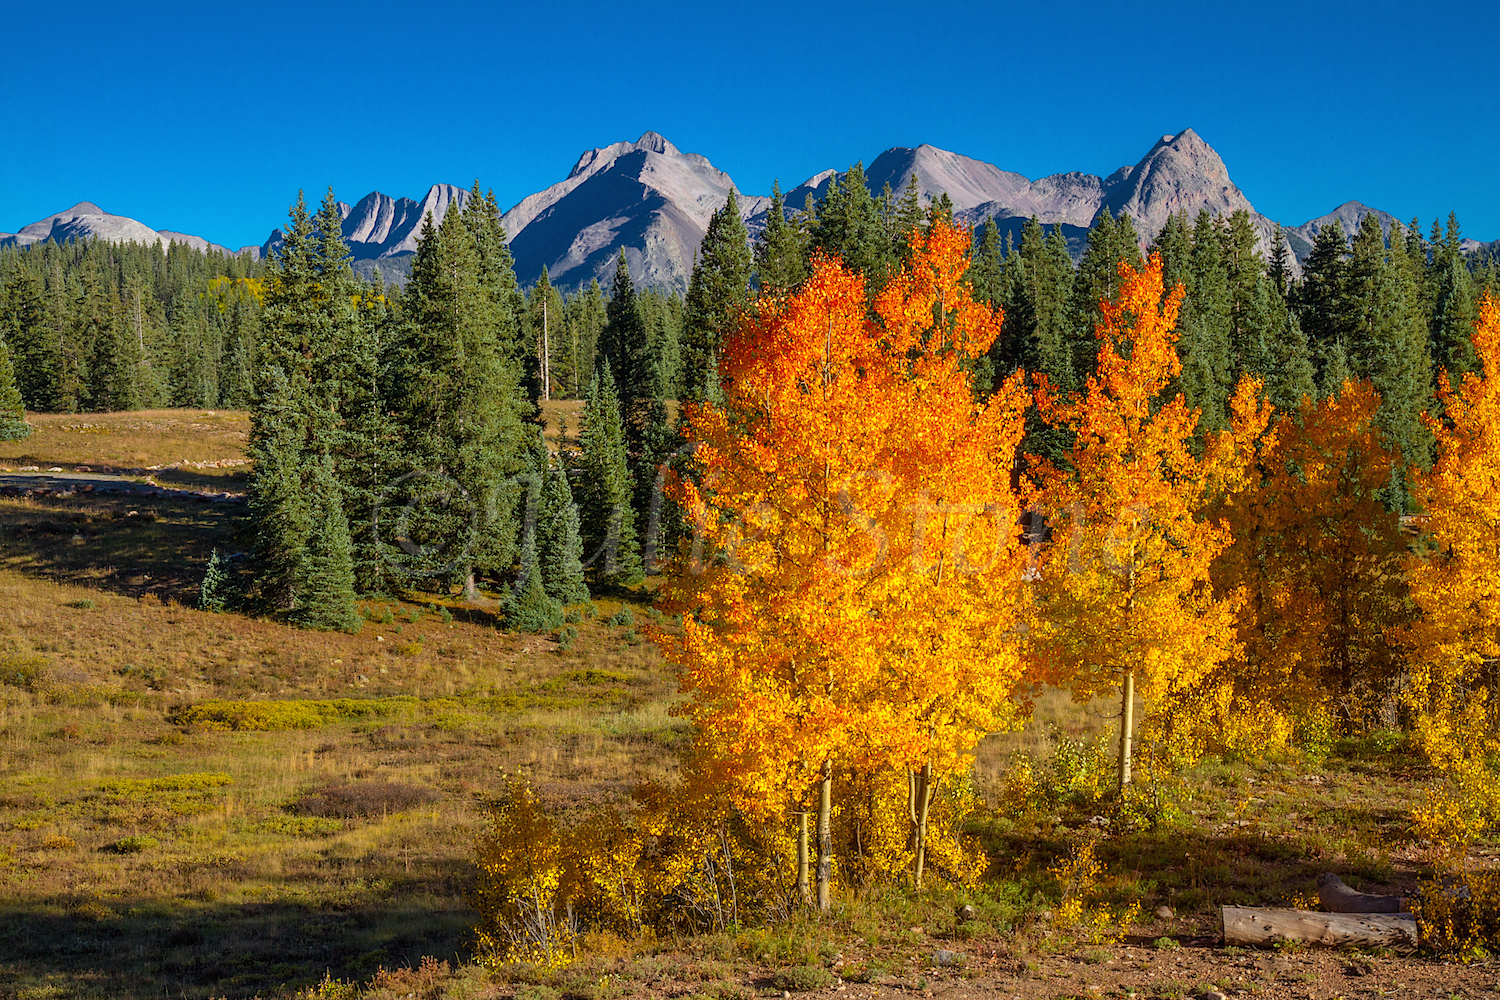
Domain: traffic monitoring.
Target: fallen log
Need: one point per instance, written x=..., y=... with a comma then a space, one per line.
x=1253, y=925
x=1336, y=897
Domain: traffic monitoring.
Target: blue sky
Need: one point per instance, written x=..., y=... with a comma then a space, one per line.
x=207, y=119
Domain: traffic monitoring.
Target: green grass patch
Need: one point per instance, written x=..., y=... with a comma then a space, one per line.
x=273, y=716
x=197, y=782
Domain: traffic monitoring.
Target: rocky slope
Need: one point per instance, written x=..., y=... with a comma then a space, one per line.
x=86, y=220
x=654, y=201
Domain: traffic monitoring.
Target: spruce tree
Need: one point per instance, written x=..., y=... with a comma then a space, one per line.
x=1323, y=299
x=606, y=515
x=717, y=293
x=559, y=544
x=13, y=425
x=1203, y=344
x=848, y=225
x=780, y=250
x=278, y=502
x=213, y=592
x=1453, y=315
x=1290, y=375
x=325, y=586
x=526, y=605
x=458, y=399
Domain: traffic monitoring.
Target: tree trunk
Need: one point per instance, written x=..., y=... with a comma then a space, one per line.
x=1127, y=723
x=1263, y=926
x=804, y=891
x=921, y=789
x=825, y=836
x=1336, y=897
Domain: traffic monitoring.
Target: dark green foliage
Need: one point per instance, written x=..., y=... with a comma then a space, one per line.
x=456, y=390
x=325, y=585
x=1203, y=343
x=849, y=224
x=607, y=519
x=1096, y=279
x=780, y=250
x=717, y=294
x=1289, y=375
x=526, y=606
x=559, y=544
x=278, y=504
x=214, y=591
x=13, y=425
x=1323, y=301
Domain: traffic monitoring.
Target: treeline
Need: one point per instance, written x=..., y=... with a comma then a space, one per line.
x=92, y=325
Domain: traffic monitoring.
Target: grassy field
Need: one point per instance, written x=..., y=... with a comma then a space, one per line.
x=203, y=805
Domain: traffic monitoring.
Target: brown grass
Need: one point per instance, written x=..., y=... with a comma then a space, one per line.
x=139, y=439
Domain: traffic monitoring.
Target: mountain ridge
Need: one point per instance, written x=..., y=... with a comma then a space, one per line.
x=653, y=201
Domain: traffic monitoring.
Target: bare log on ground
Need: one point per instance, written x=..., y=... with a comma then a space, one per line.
x=1336, y=897
x=1253, y=925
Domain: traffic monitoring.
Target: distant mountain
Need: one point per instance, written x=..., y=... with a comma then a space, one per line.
x=654, y=201
x=382, y=231
x=646, y=197
x=86, y=220
x=1350, y=215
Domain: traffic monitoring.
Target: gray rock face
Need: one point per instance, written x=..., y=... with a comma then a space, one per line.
x=379, y=226
x=646, y=197
x=1349, y=215
x=85, y=221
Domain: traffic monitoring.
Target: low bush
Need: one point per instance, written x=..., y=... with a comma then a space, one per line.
x=364, y=798
x=133, y=845
x=271, y=716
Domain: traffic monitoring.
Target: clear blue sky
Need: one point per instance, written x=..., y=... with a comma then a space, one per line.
x=207, y=119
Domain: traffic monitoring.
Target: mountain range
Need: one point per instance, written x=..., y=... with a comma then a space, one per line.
x=655, y=201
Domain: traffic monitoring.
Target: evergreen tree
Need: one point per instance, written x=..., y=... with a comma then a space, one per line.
x=1097, y=280
x=526, y=605
x=780, y=250
x=1453, y=315
x=587, y=316
x=13, y=425
x=1323, y=300
x=1279, y=268
x=905, y=216
x=278, y=502
x=32, y=336
x=1203, y=344
x=987, y=275
x=213, y=592
x=848, y=225
x=1290, y=376
x=559, y=543
x=1398, y=364
x=457, y=393
x=606, y=514
x=325, y=589
x=717, y=293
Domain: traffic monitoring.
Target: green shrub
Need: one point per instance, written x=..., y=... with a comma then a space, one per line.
x=802, y=978
x=271, y=716
x=622, y=617
x=299, y=826
x=133, y=845
x=565, y=638
x=194, y=782
x=22, y=671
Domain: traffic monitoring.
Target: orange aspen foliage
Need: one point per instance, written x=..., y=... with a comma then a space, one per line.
x=1318, y=558
x=1123, y=585
x=858, y=568
x=1455, y=645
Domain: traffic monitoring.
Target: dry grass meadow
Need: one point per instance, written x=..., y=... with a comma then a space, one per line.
x=200, y=805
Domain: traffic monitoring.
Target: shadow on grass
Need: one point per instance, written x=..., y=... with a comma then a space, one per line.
x=151, y=947
x=124, y=545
